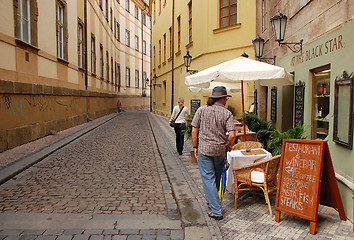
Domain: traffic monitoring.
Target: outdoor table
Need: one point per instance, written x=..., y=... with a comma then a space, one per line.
x=240, y=158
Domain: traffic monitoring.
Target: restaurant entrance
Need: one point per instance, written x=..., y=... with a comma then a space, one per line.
x=321, y=100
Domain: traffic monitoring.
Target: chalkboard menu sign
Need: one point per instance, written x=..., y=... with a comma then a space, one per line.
x=255, y=102
x=306, y=178
x=299, y=103
x=195, y=104
x=273, y=104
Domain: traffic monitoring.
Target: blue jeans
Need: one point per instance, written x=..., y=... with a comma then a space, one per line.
x=210, y=168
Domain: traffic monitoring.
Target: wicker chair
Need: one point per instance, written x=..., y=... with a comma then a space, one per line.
x=249, y=137
x=262, y=174
x=245, y=145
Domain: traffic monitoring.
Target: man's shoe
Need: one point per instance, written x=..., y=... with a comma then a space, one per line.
x=211, y=215
x=180, y=153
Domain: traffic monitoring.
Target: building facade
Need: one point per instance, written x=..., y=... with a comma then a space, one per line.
x=66, y=62
x=321, y=99
x=212, y=32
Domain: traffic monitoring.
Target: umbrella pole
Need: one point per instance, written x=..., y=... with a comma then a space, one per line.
x=243, y=113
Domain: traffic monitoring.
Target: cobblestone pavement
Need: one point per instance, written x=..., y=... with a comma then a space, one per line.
x=127, y=141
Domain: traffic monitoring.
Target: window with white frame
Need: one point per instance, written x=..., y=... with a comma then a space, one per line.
x=127, y=5
x=144, y=79
x=93, y=54
x=101, y=61
x=60, y=30
x=143, y=17
x=80, y=47
x=136, y=12
x=136, y=78
x=127, y=77
x=136, y=42
x=24, y=20
x=144, y=46
x=127, y=38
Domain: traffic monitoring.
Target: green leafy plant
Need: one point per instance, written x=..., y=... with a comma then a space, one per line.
x=231, y=109
x=187, y=128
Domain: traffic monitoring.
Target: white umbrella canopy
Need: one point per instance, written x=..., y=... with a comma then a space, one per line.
x=229, y=87
x=241, y=69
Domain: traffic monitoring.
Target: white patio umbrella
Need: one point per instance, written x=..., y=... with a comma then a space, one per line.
x=239, y=70
x=229, y=87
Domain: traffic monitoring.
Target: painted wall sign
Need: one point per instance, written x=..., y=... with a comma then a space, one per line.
x=319, y=50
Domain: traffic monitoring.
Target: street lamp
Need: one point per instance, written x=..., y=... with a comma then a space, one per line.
x=155, y=80
x=279, y=22
x=187, y=63
x=258, y=44
x=147, y=85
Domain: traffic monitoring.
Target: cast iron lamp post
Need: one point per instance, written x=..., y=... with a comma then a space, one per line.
x=279, y=22
x=187, y=63
x=258, y=44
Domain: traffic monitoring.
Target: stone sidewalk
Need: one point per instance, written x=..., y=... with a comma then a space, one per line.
x=250, y=221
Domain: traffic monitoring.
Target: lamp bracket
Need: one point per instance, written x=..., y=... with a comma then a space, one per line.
x=268, y=60
x=157, y=84
x=295, y=47
x=192, y=71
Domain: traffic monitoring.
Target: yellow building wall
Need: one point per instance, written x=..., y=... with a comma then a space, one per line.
x=210, y=45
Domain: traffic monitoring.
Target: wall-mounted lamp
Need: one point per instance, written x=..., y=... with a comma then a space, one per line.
x=187, y=63
x=279, y=22
x=258, y=45
x=155, y=81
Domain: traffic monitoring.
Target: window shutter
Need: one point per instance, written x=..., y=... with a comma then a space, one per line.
x=15, y=3
x=34, y=21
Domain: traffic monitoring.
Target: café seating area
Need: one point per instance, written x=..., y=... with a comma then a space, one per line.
x=261, y=174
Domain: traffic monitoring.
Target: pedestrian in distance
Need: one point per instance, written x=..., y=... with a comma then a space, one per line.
x=178, y=118
x=119, y=106
x=210, y=126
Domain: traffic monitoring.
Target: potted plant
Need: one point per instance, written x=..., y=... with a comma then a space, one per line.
x=187, y=131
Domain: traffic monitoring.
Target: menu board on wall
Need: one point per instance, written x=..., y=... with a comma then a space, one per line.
x=299, y=103
x=273, y=104
x=195, y=104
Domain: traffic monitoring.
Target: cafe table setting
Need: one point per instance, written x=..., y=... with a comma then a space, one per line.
x=240, y=158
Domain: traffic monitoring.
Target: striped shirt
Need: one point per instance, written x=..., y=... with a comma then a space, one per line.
x=213, y=123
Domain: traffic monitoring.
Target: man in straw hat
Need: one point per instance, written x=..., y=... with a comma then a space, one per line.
x=212, y=122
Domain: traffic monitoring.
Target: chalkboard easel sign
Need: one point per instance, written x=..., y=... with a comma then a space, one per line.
x=306, y=179
x=195, y=104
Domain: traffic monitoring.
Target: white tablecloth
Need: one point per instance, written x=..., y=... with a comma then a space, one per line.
x=237, y=159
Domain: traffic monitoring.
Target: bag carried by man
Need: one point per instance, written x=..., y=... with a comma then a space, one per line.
x=172, y=123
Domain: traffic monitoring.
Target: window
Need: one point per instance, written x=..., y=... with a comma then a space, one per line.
x=136, y=42
x=61, y=31
x=143, y=17
x=321, y=100
x=159, y=7
x=136, y=12
x=117, y=32
x=264, y=15
x=26, y=21
x=107, y=66
x=127, y=38
x=154, y=57
x=144, y=79
x=101, y=61
x=93, y=54
x=80, y=47
x=170, y=30
x=136, y=78
x=179, y=33
x=190, y=21
x=100, y=3
x=127, y=77
x=164, y=47
x=118, y=75
x=107, y=14
x=127, y=5
x=159, y=52
x=111, y=19
x=112, y=69
x=144, y=46
x=228, y=12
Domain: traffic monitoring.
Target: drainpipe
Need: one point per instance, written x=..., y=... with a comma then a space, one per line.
x=86, y=61
x=173, y=53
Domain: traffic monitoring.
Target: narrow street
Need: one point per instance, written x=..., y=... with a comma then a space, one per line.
x=121, y=178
